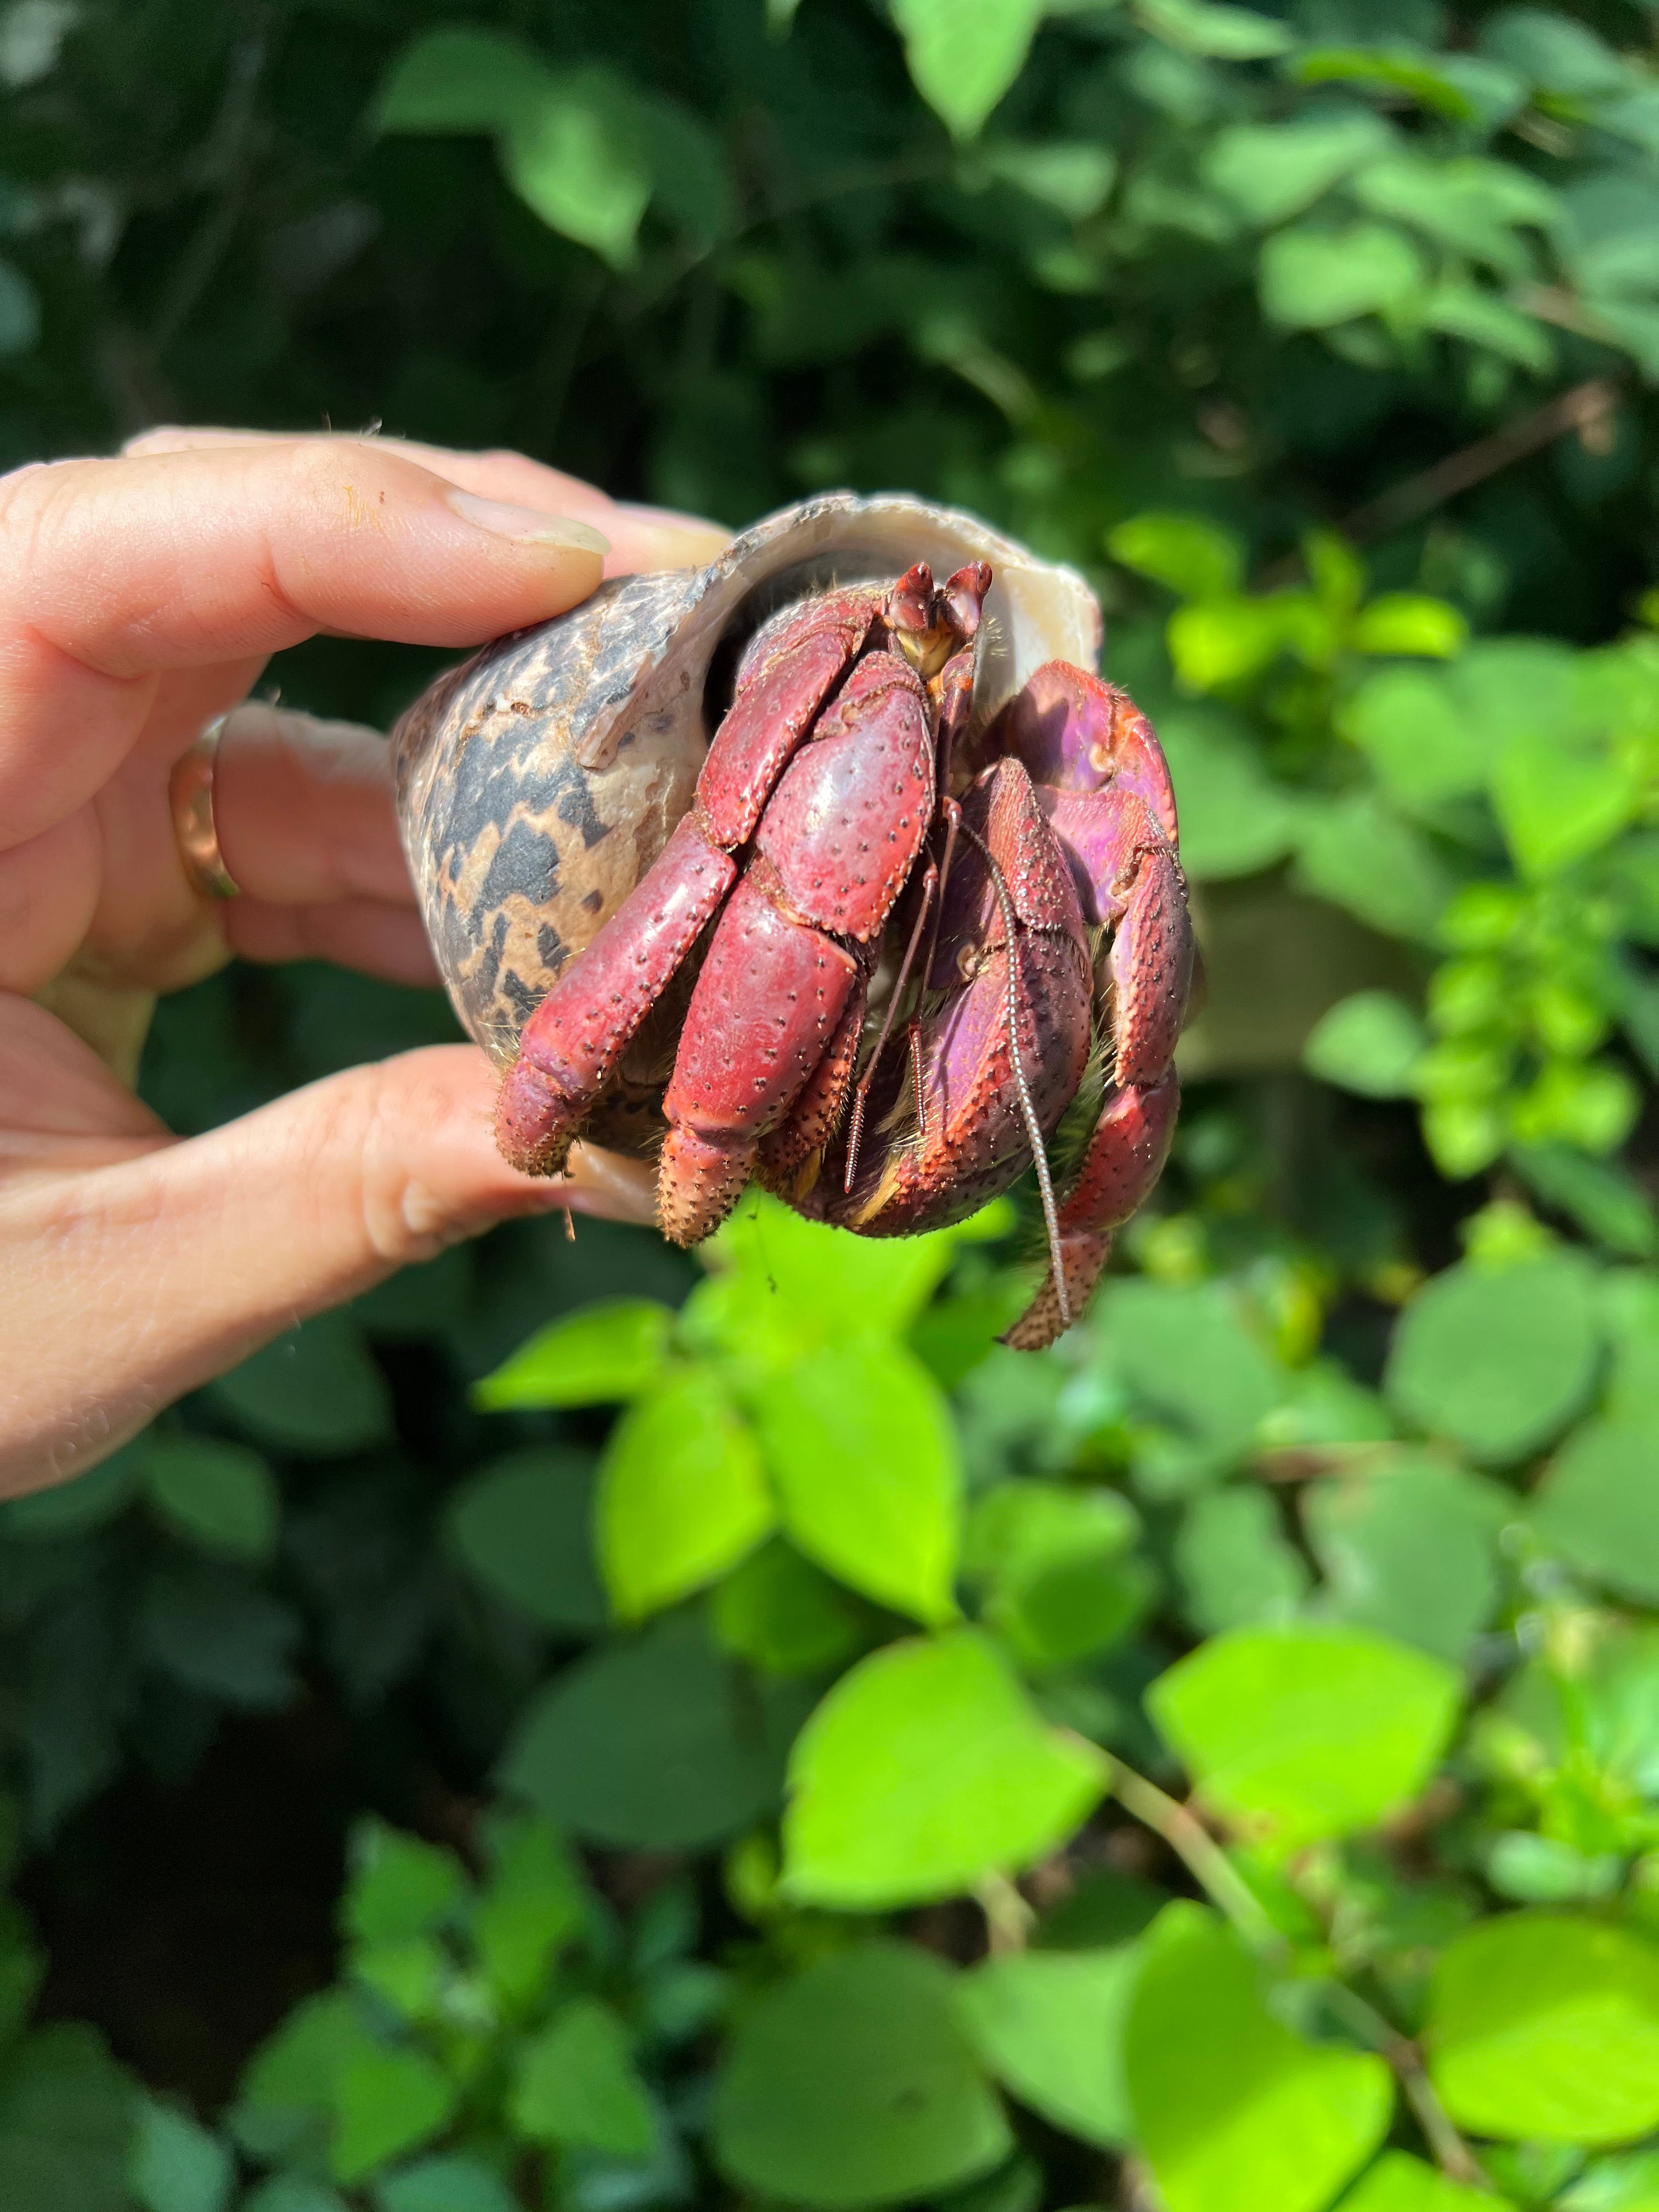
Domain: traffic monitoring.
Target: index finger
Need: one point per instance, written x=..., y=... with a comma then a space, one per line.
x=113, y=571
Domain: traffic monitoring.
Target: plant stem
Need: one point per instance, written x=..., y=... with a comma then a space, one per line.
x=1215, y=1873
x=1008, y=1917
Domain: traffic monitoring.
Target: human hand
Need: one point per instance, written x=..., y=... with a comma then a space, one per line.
x=139, y=599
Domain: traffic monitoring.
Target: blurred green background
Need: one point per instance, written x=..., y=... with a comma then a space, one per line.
x=589, y=1729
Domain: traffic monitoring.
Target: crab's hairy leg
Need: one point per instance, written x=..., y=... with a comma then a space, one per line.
x=835, y=848
x=1122, y=1161
x=575, y=1038
x=976, y=1141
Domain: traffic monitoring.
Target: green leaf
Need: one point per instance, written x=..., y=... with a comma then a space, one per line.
x=657, y=1743
x=1233, y=2113
x=1300, y=1732
x=1497, y=1363
x=221, y=1635
x=859, y=1443
x=524, y=1526
x=1480, y=319
x=1357, y=853
x=286, y=2090
x=783, y=1615
x=1598, y=1505
x=1399, y=2182
x=1368, y=1043
x=924, y=1768
x=1274, y=170
x=1616, y=2185
x=1049, y=2025
x=219, y=1496
x=1192, y=556
x=834, y=1284
x=1234, y=1563
x=683, y=1495
x=1424, y=747
x=1544, y=2026
x=68, y=2118
x=1608, y=1203
x=577, y=157
x=606, y=1353
x=1409, y=624
x=1408, y=1546
x=1214, y=643
x=1556, y=806
x=1397, y=71
x=177, y=2166
x=286, y=2192
x=449, y=2183
x=576, y=2082
x=399, y=1884
x=854, y=2085
x=1074, y=176
x=84, y=1502
x=386, y=2104
x=1061, y=1586
x=962, y=58
x=317, y=1389
x=1312, y=279
x=1235, y=819
x=1199, y=26
x=459, y=79
x=1185, y=1354
x=533, y=1904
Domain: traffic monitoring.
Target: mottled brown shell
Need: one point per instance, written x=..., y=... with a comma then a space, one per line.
x=538, y=782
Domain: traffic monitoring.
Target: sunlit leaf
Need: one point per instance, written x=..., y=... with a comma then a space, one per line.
x=1368, y=1043
x=962, y=58
x=1049, y=2025
x=1496, y=1362
x=1311, y=279
x=576, y=2082
x=683, y=1495
x=605, y=1353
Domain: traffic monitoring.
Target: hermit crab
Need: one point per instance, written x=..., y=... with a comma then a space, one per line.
x=831, y=866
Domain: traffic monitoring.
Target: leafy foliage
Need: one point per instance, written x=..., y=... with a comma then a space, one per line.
x=778, y=1739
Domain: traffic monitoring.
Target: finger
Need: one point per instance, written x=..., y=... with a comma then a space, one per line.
x=192, y=1255
x=641, y=537
x=111, y=571
x=371, y=935
x=304, y=810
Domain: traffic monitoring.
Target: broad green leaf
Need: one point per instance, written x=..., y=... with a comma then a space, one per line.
x=836, y=1283
x=1234, y=1563
x=683, y=1494
x=1410, y=625
x=1408, y=1546
x=1234, y=817
x=1481, y=318
x=1217, y=641
x=1497, y=1363
x=1357, y=853
x=1616, y=2185
x=1049, y=2025
x=854, y=2085
x=859, y=1443
x=532, y=1905
x=524, y=1526
x=386, y=2103
x=1600, y=1196
x=657, y=1743
x=1368, y=1043
x=68, y=2119
x=784, y=1615
x=1233, y=2113
x=452, y=2182
x=1061, y=1581
x=1304, y=1731
x=962, y=58
x=1558, y=806
x=576, y=2082
x=1185, y=1355
x=924, y=1768
x=577, y=156
x=287, y=2089
x=1598, y=1506
x=606, y=1353
x=1272, y=170
x=220, y=1497
x=1424, y=747
x=1399, y=2182
x=1434, y=82
x=219, y=1633
x=1472, y=206
x=459, y=79
x=177, y=2166
x=1073, y=176
x=1189, y=553
x=400, y=1885
x=1544, y=2026
x=1106, y=1911
x=1551, y=52
x=317, y=1389
x=1311, y=279
x=287, y=2192
x=1202, y=27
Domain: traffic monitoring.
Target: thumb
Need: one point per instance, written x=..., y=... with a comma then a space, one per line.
x=190, y=1255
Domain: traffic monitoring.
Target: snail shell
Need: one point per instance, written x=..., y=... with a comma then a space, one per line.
x=538, y=782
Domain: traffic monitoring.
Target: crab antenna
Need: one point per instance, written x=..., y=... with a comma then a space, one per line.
x=930, y=885
x=1027, y=1107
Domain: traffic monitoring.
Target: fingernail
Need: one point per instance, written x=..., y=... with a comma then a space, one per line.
x=528, y=525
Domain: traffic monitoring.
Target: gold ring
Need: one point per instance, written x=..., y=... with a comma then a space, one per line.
x=190, y=793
